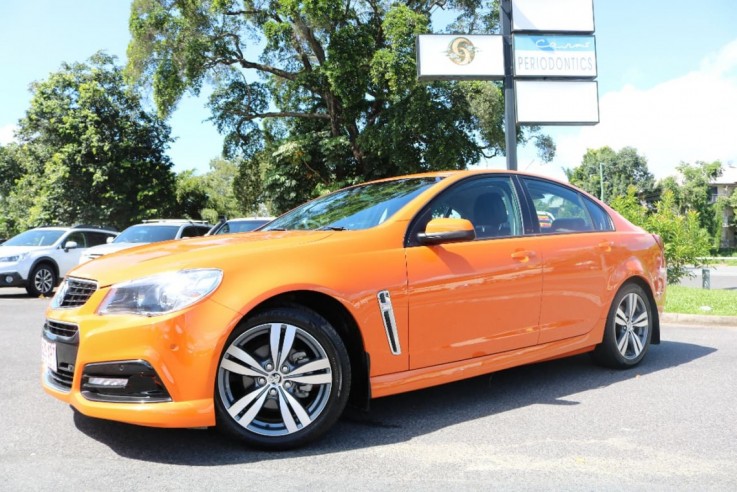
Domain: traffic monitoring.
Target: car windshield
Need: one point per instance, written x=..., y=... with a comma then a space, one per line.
x=233, y=226
x=35, y=237
x=147, y=233
x=359, y=207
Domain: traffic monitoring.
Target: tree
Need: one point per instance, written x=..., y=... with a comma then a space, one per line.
x=89, y=152
x=11, y=170
x=191, y=195
x=620, y=171
x=317, y=94
x=686, y=242
x=209, y=196
x=220, y=185
x=694, y=194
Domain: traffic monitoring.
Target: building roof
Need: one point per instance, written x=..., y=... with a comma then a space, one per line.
x=729, y=176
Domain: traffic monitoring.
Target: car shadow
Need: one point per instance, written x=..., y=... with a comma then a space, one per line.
x=20, y=293
x=396, y=418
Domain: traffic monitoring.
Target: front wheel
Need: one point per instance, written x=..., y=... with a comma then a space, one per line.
x=283, y=379
x=628, y=331
x=42, y=280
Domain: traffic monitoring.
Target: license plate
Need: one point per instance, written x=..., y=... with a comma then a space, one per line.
x=48, y=354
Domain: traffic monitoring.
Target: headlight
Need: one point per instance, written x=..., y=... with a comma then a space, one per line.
x=160, y=294
x=13, y=259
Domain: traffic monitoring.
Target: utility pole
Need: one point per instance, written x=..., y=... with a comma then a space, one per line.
x=601, y=180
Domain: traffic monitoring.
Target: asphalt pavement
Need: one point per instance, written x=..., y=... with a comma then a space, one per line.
x=669, y=424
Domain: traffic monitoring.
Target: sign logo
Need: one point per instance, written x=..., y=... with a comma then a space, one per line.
x=461, y=51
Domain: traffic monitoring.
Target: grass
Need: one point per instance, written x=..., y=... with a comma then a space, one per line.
x=729, y=262
x=692, y=300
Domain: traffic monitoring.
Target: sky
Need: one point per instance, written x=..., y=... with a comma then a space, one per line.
x=667, y=78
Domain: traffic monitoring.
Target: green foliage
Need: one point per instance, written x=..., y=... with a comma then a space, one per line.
x=694, y=194
x=620, y=171
x=209, y=196
x=191, y=195
x=311, y=95
x=88, y=152
x=684, y=238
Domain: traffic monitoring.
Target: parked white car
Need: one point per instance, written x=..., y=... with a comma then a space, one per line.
x=150, y=231
x=38, y=258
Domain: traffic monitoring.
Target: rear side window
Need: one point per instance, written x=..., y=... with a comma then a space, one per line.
x=194, y=231
x=601, y=219
x=97, y=238
x=561, y=210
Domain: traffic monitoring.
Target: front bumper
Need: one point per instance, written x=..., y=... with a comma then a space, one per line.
x=182, y=351
x=11, y=279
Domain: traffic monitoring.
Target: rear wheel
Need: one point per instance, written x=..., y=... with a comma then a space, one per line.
x=628, y=330
x=283, y=379
x=42, y=280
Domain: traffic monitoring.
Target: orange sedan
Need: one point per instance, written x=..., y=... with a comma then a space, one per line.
x=373, y=290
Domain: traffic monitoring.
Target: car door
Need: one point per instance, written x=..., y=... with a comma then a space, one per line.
x=474, y=298
x=577, y=251
x=67, y=258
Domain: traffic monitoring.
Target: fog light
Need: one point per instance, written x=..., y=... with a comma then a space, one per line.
x=107, y=382
x=129, y=381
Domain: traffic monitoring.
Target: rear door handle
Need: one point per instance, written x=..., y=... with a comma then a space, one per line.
x=523, y=256
x=606, y=246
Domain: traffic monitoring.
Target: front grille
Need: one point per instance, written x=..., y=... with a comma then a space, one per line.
x=76, y=292
x=62, y=377
x=65, y=338
x=66, y=330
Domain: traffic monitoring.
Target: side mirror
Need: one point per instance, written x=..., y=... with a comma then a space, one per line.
x=109, y=239
x=70, y=245
x=439, y=231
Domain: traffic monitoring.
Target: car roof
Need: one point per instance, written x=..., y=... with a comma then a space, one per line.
x=77, y=228
x=243, y=219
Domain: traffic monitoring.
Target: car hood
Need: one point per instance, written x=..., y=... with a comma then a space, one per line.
x=104, y=249
x=203, y=252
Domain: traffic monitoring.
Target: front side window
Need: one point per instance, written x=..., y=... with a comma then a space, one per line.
x=359, y=207
x=77, y=237
x=489, y=203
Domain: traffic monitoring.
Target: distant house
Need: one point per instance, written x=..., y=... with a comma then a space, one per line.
x=725, y=186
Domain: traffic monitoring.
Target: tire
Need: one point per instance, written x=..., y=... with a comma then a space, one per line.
x=282, y=405
x=629, y=328
x=42, y=280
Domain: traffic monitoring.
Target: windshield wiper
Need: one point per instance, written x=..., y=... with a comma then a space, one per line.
x=330, y=228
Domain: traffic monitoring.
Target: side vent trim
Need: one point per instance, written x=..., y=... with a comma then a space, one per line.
x=390, y=324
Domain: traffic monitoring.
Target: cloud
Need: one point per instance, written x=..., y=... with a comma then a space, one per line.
x=690, y=118
x=7, y=134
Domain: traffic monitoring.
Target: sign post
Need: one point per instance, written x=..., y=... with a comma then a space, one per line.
x=545, y=58
x=510, y=109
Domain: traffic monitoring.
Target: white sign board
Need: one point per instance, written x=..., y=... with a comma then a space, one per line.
x=460, y=57
x=541, y=55
x=553, y=16
x=557, y=102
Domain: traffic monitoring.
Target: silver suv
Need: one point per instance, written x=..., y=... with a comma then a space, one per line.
x=38, y=258
x=150, y=231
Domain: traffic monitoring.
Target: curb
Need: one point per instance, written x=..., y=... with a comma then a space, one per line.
x=698, y=319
